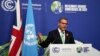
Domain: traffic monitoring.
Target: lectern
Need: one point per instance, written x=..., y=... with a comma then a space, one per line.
x=70, y=50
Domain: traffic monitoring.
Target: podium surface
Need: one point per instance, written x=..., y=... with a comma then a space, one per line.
x=71, y=50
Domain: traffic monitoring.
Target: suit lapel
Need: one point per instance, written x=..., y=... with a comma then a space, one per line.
x=66, y=36
x=58, y=36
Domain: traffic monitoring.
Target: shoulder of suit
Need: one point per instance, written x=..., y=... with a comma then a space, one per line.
x=68, y=32
x=55, y=30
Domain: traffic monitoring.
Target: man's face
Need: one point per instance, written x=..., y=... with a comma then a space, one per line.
x=63, y=24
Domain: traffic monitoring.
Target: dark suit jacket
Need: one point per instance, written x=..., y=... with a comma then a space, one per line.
x=54, y=38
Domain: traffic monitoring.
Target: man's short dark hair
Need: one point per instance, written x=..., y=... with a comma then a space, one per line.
x=62, y=18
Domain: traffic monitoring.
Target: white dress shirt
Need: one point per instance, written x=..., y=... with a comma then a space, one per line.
x=62, y=35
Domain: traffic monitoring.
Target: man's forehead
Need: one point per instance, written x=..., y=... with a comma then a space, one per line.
x=64, y=20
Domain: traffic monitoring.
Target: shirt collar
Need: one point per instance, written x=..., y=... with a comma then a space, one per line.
x=60, y=31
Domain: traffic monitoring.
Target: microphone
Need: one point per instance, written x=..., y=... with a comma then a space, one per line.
x=54, y=40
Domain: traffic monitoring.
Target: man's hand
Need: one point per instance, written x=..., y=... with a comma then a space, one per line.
x=40, y=37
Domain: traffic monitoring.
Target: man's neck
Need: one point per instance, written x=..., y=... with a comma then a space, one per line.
x=60, y=30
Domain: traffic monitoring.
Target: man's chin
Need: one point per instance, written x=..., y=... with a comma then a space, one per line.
x=63, y=29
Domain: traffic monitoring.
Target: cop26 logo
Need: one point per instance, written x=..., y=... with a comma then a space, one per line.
x=56, y=7
x=8, y=5
x=56, y=49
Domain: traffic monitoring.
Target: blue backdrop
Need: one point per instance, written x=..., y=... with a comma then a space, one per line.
x=83, y=23
x=83, y=17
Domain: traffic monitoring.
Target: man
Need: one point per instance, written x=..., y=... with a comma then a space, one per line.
x=58, y=36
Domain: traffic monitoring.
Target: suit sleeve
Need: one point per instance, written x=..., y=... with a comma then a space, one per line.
x=45, y=43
